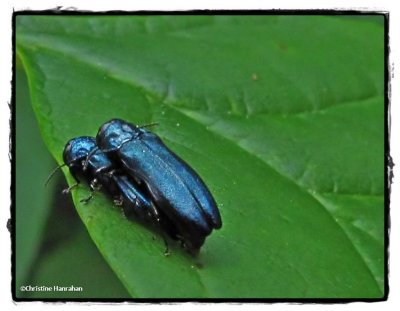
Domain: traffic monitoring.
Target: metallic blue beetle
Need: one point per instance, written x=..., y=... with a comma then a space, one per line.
x=175, y=188
x=100, y=172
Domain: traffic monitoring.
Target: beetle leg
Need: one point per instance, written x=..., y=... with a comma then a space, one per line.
x=118, y=200
x=156, y=216
x=166, y=251
x=86, y=200
x=95, y=185
x=68, y=190
x=85, y=163
x=111, y=173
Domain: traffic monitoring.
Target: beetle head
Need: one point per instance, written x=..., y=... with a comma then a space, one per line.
x=114, y=133
x=77, y=149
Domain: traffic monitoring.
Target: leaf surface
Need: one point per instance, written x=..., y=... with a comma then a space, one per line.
x=282, y=116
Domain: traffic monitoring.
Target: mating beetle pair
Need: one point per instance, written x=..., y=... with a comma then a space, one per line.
x=147, y=178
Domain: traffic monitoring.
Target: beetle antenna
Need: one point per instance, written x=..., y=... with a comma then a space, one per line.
x=53, y=172
x=148, y=125
x=90, y=154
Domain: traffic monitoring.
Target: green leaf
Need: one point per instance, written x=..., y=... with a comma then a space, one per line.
x=33, y=199
x=75, y=262
x=282, y=116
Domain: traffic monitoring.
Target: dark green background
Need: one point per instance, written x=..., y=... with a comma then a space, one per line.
x=282, y=116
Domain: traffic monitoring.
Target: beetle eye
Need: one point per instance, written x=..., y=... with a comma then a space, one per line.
x=127, y=128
